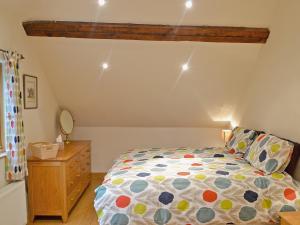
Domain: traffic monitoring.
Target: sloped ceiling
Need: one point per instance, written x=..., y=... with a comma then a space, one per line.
x=144, y=85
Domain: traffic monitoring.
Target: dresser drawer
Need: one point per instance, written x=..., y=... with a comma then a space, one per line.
x=73, y=173
x=73, y=197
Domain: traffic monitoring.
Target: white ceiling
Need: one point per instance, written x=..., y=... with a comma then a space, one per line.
x=144, y=85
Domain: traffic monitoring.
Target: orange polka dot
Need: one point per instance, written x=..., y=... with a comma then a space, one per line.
x=196, y=164
x=127, y=160
x=122, y=201
x=261, y=173
x=289, y=194
x=189, y=156
x=125, y=168
x=261, y=137
x=209, y=196
x=183, y=173
x=231, y=151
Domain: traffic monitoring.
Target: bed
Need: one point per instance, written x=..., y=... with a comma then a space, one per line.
x=192, y=186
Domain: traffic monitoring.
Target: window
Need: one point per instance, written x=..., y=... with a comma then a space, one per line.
x=1, y=110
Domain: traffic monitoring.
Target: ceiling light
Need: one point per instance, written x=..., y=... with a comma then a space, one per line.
x=185, y=67
x=104, y=66
x=189, y=4
x=101, y=2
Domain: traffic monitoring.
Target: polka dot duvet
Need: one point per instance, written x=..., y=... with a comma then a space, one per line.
x=192, y=186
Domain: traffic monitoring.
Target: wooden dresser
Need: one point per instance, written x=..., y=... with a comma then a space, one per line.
x=55, y=185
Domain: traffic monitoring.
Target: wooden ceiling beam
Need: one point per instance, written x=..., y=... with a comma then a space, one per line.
x=146, y=32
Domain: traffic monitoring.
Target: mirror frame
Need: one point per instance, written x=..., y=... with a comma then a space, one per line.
x=61, y=126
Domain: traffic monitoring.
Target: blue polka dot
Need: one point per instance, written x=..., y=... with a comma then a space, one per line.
x=205, y=215
x=198, y=151
x=181, y=183
x=247, y=213
x=138, y=186
x=271, y=165
x=157, y=157
x=231, y=164
x=263, y=156
x=158, y=169
x=166, y=198
x=120, y=172
x=119, y=219
x=141, y=160
x=222, y=183
x=138, y=163
x=218, y=155
x=221, y=172
x=143, y=174
x=162, y=216
x=100, y=192
x=250, y=196
x=264, y=141
x=142, y=152
x=261, y=182
x=287, y=208
x=231, y=143
x=161, y=165
x=139, y=155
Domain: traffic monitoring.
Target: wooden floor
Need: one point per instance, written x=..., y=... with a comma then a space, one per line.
x=83, y=213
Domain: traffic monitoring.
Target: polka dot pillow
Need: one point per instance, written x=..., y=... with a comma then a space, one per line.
x=240, y=140
x=270, y=154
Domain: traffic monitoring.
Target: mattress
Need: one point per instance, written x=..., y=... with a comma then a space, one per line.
x=192, y=186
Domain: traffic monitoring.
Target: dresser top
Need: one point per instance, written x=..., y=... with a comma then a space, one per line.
x=69, y=151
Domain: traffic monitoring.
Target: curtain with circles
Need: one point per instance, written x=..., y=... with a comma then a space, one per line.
x=16, y=164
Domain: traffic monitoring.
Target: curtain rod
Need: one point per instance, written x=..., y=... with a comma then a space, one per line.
x=5, y=51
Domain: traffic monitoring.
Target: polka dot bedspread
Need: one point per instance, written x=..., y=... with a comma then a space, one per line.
x=188, y=186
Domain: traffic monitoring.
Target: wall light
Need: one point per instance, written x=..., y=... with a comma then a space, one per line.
x=105, y=66
x=101, y=2
x=189, y=4
x=185, y=67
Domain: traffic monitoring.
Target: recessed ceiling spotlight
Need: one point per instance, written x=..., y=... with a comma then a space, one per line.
x=101, y=2
x=104, y=66
x=189, y=4
x=185, y=67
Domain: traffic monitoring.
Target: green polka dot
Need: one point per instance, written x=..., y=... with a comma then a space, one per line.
x=222, y=183
x=118, y=181
x=239, y=177
x=162, y=216
x=183, y=205
x=226, y=204
x=275, y=148
x=100, y=213
x=138, y=186
x=266, y=203
x=159, y=178
x=278, y=176
x=200, y=177
x=181, y=183
x=140, y=209
x=205, y=215
x=247, y=213
x=242, y=145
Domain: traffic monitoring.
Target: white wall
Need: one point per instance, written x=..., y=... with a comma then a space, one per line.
x=40, y=124
x=272, y=101
x=109, y=142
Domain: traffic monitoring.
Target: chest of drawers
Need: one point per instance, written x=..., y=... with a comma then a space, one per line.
x=55, y=185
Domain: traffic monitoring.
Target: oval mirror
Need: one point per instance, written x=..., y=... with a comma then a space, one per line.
x=66, y=123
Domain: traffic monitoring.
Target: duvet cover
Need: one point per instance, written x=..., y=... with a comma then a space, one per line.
x=192, y=186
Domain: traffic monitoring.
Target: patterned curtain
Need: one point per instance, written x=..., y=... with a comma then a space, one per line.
x=16, y=165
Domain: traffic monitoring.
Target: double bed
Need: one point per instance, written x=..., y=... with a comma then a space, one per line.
x=192, y=186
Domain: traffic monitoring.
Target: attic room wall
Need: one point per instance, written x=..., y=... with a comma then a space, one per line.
x=40, y=124
x=272, y=100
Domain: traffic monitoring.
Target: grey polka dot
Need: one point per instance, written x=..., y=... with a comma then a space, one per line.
x=119, y=219
x=162, y=216
x=138, y=186
x=181, y=183
x=222, y=183
x=205, y=215
x=271, y=165
x=247, y=213
x=287, y=208
x=261, y=182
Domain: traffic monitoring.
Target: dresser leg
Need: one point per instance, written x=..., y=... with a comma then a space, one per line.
x=65, y=218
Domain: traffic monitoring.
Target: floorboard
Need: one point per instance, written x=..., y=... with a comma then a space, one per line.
x=83, y=213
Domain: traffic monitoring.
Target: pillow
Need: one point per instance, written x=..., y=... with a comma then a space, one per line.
x=240, y=140
x=270, y=154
